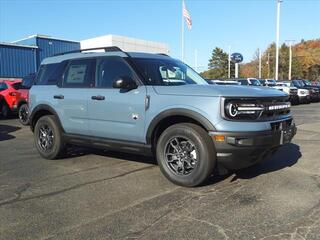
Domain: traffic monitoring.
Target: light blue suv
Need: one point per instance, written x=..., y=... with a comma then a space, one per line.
x=153, y=104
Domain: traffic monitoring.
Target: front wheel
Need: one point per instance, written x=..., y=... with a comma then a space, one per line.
x=185, y=154
x=24, y=114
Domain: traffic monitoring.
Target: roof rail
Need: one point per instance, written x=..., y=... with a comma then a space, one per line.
x=163, y=54
x=106, y=49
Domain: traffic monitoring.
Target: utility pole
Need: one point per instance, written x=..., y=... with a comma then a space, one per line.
x=290, y=57
x=229, y=63
x=260, y=66
x=277, y=39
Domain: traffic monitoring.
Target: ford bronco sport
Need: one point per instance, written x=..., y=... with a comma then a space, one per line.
x=153, y=104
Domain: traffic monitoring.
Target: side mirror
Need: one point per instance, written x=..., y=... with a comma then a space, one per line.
x=125, y=83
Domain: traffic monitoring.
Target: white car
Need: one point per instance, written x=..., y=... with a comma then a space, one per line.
x=303, y=94
x=248, y=81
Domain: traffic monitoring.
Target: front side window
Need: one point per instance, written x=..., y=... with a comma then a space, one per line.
x=79, y=73
x=111, y=69
x=167, y=72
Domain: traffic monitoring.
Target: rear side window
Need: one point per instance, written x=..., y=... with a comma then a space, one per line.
x=111, y=69
x=79, y=73
x=50, y=74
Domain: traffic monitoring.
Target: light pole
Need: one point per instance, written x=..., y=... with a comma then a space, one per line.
x=277, y=39
x=260, y=65
x=290, y=58
x=196, y=60
x=229, y=63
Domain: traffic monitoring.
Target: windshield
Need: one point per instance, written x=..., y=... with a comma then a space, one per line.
x=263, y=82
x=306, y=82
x=167, y=72
x=273, y=82
x=297, y=83
x=255, y=82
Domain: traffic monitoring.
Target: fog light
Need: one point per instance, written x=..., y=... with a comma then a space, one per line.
x=219, y=138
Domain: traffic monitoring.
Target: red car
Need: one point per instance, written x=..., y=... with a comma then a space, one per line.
x=23, y=89
x=14, y=99
x=9, y=96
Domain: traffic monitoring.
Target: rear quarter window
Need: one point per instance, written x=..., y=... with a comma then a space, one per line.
x=50, y=74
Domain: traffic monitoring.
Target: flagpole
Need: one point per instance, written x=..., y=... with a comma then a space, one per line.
x=182, y=33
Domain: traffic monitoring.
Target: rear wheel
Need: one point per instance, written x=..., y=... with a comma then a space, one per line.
x=48, y=137
x=24, y=114
x=5, y=111
x=185, y=154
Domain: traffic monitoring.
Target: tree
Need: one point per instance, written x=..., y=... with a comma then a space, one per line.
x=314, y=72
x=218, y=65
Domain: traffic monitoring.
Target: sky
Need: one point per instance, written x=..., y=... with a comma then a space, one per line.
x=244, y=25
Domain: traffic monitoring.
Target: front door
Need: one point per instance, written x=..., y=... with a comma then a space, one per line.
x=115, y=113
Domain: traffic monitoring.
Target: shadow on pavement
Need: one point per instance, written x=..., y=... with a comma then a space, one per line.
x=5, y=131
x=74, y=151
x=286, y=156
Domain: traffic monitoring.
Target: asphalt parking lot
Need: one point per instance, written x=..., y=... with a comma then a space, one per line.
x=94, y=194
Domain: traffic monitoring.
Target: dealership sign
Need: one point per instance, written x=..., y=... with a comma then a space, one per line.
x=236, y=57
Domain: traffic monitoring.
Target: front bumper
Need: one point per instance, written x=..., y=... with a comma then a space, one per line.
x=305, y=99
x=243, y=149
x=294, y=99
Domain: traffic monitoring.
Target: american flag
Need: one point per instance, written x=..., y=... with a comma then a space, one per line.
x=186, y=16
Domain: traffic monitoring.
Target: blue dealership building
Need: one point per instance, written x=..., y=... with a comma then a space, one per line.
x=23, y=57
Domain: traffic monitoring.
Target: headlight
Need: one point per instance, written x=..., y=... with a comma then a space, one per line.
x=238, y=110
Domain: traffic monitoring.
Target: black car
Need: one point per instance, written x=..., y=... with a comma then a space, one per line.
x=315, y=89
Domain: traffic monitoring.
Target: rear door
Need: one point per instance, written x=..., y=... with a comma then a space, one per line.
x=72, y=95
x=116, y=113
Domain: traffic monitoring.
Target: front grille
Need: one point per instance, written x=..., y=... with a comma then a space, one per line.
x=293, y=91
x=275, y=126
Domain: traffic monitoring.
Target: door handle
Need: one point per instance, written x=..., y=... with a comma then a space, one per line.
x=58, y=97
x=99, y=97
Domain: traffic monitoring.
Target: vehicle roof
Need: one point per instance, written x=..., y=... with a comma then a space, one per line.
x=81, y=55
x=10, y=82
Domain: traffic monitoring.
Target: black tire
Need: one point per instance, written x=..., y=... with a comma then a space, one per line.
x=55, y=148
x=24, y=114
x=5, y=110
x=203, y=148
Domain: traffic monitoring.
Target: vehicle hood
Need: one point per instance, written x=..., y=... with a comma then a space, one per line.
x=218, y=90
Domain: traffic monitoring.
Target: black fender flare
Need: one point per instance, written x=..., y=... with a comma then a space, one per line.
x=43, y=107
x=181, y=112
